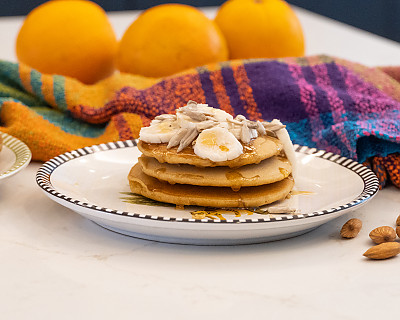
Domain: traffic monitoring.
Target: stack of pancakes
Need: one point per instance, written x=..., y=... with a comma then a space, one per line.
x=259, y=176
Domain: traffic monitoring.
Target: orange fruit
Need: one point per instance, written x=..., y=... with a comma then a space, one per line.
x=260, y=29
x=71, y=38
x=170, y=38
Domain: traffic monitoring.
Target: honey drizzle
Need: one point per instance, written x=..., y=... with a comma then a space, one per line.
x=297, y=192
x=237, y=179
x=284, y=172
x=218, y=213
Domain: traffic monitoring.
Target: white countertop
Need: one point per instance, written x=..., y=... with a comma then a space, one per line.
x=57, y=265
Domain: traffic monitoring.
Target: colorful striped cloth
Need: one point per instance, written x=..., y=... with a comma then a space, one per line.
x=326, y=103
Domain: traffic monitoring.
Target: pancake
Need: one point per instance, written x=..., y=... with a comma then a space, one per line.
x=261, y=148
x=183, y=194
x=267, y=171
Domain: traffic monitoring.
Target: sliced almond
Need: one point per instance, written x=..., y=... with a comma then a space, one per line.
x=187, y=139
x=245, y=134
x=176, y=139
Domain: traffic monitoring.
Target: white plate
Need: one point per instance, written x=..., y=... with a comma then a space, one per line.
x=93, y=181
x=14, y=156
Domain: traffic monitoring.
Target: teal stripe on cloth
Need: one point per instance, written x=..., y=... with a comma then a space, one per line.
x=11, y=88
x=9, y=74
x=36, y=83
x=301, y=136
x=59, y=92
x=5, y=99
x=69, y=124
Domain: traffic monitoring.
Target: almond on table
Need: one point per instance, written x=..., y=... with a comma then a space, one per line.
x=351, y=228
x=383, y=251
x=382, y=234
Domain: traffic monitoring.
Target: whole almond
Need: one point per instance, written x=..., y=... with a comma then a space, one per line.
x=351, y=228
x=398, y=231
x=398, y=221
x=383, y=251
x=383, y=234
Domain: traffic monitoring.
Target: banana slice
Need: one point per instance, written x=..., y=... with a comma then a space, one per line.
x=219, y=135
x=159, y=132
x=217, y=144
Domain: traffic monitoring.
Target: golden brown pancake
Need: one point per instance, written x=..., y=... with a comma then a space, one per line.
x=267, y=171
x=183, y=194
x=259, y=149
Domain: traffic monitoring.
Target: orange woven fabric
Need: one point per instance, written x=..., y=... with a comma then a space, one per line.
x=38, y=106
x=325, y=102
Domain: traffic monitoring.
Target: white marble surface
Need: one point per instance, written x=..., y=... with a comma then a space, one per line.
x=56, y=265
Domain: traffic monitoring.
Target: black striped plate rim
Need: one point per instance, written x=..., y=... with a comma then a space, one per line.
x=371, y=184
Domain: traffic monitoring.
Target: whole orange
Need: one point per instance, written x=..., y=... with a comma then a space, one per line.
x=260, y=29
x=170, y=38
x=72, y=38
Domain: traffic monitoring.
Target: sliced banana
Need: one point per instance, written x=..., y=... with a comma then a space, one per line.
x=219, y=135
x=217, y=144
x=159, y=132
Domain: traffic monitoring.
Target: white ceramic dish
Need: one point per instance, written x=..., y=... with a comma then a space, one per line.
x=93, y=182
x=14, y=156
